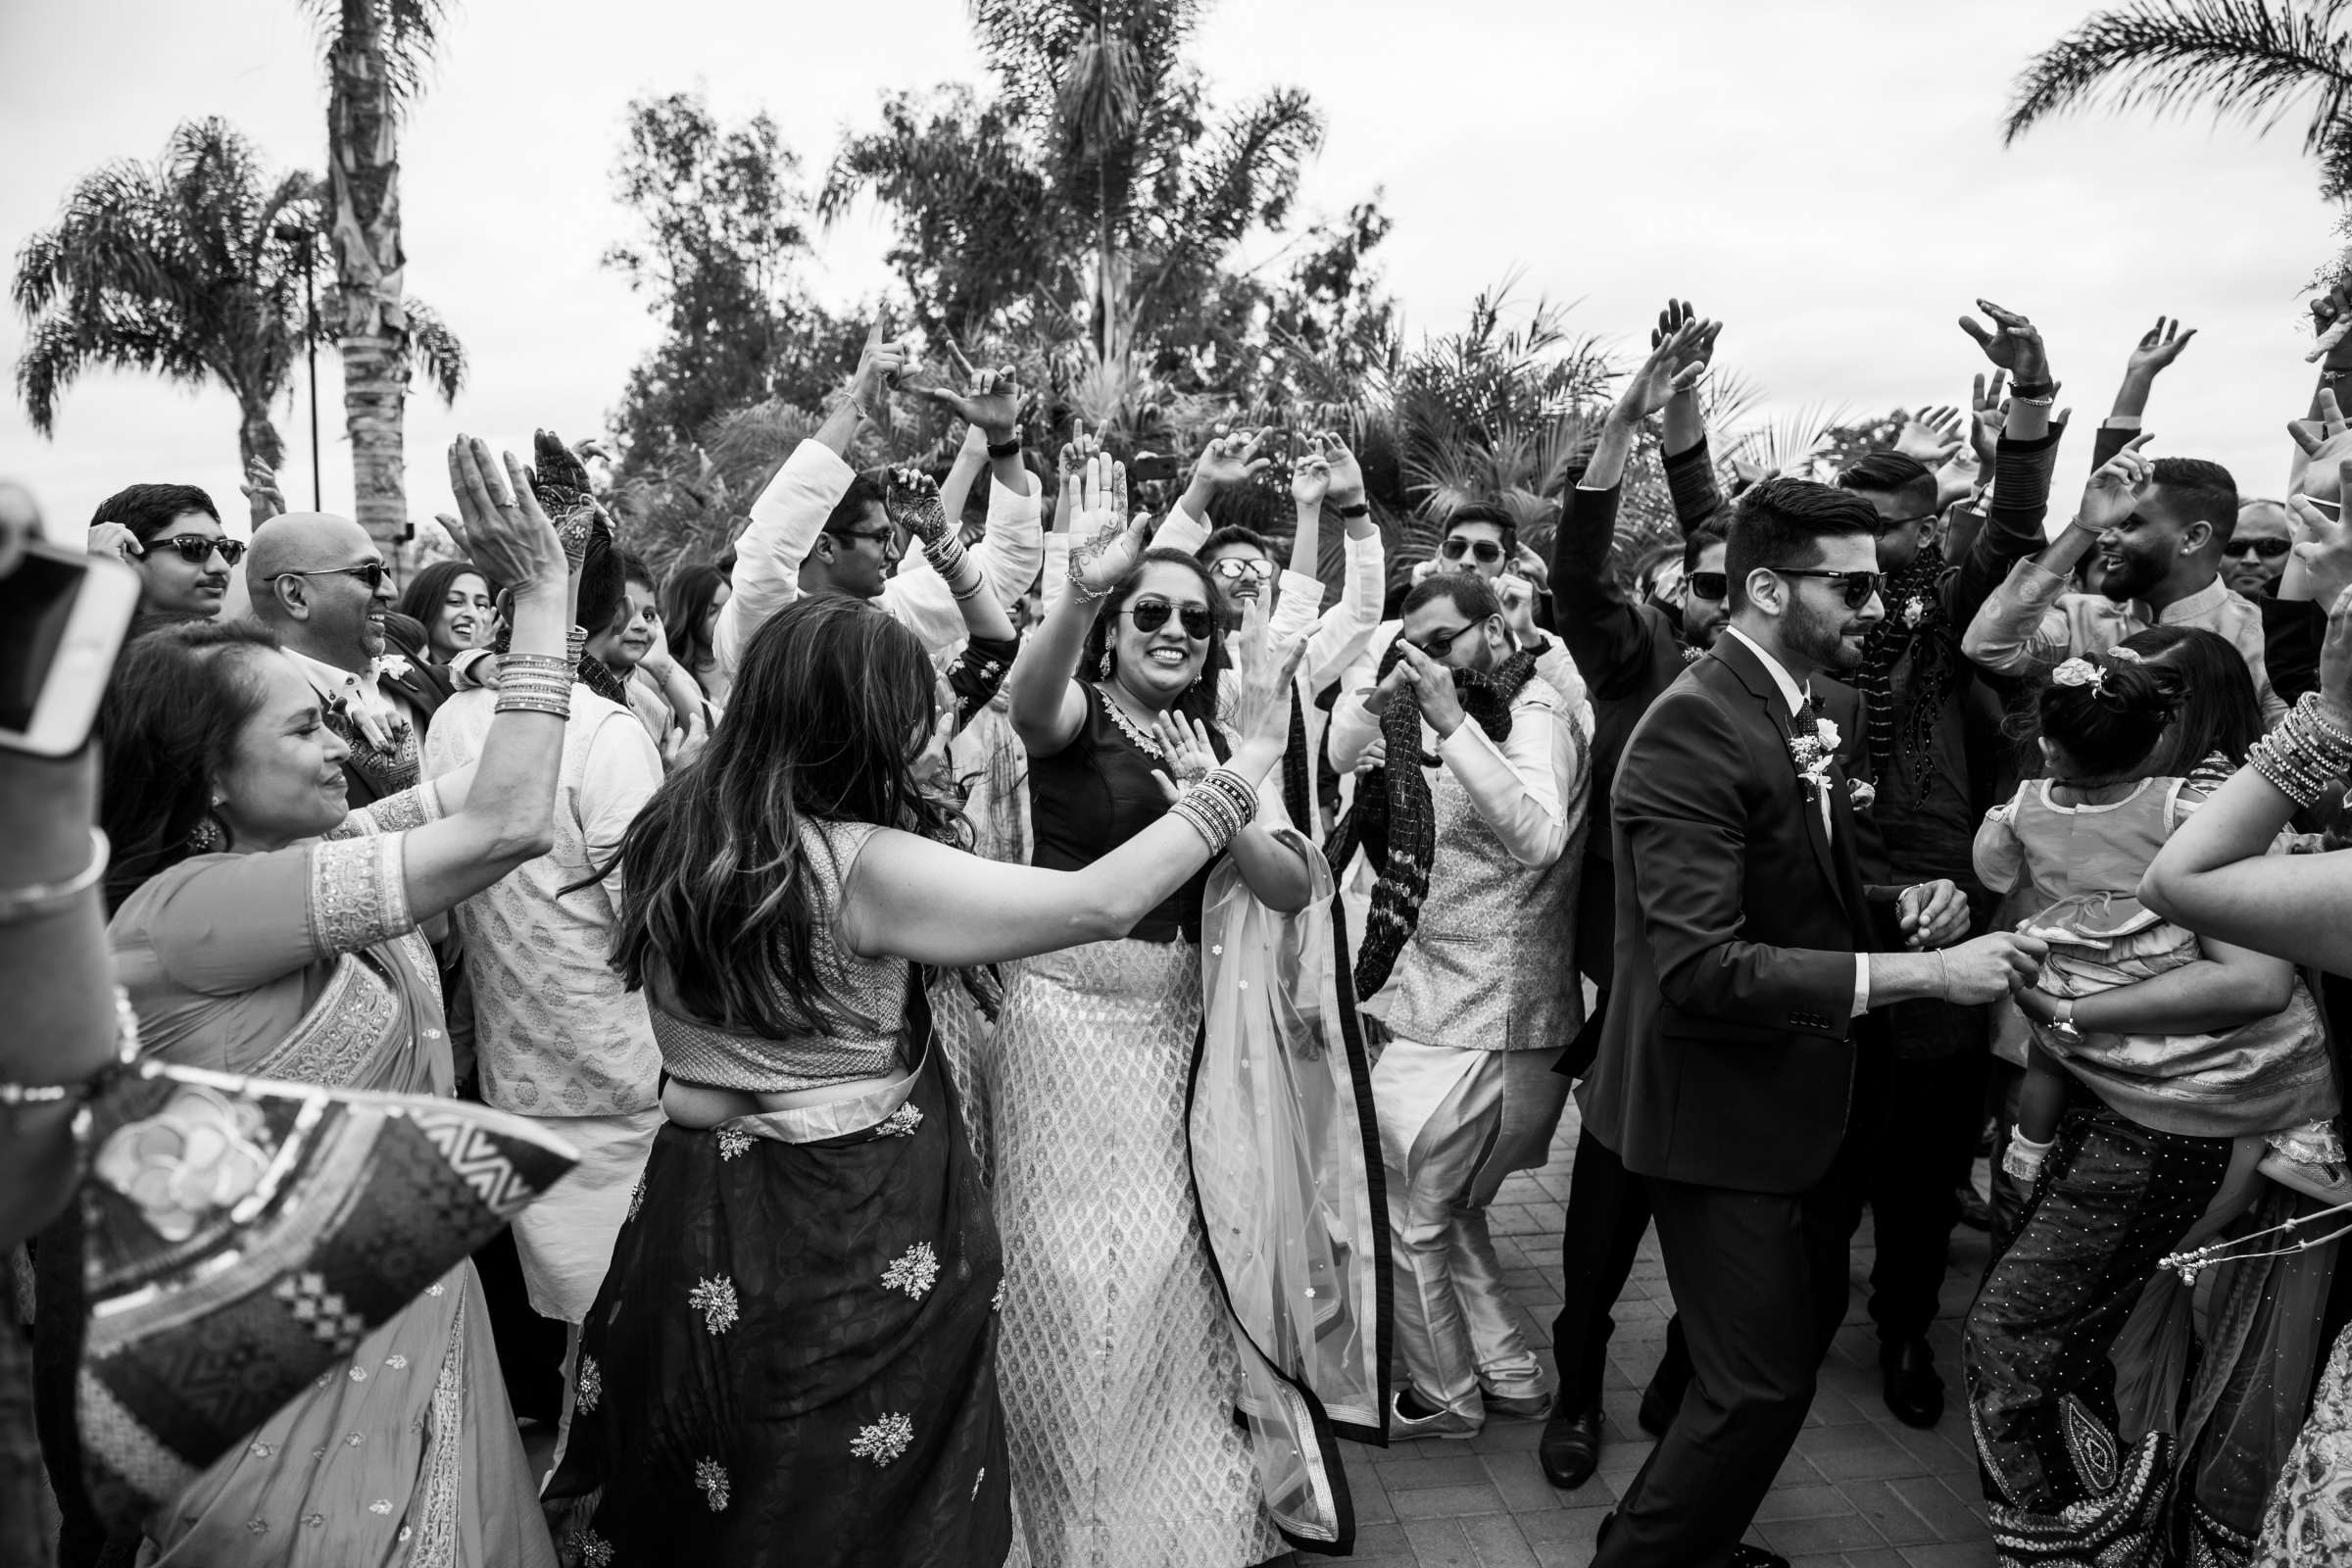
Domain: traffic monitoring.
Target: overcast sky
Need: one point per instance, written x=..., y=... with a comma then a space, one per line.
x=1827, y=176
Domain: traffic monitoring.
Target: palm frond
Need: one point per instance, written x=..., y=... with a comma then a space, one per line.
x=409, y=35
x=2250, y=59
x=434, y=349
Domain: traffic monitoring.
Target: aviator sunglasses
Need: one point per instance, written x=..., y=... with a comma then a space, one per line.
x=1240, y=566
x=1150, y=614
x=1487, y=551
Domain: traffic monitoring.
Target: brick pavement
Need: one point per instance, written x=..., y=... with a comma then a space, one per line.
x=1860, y=1491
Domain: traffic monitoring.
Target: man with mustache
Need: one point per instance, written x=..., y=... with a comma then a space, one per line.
x=2160, y=528
x=1738, y=1075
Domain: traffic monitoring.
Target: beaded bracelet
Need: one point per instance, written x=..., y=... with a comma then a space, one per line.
x=37, y=899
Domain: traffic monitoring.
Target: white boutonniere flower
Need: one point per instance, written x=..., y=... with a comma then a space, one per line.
x=394, y=666
x=1827, y=729
x=1915, y=611
x=1813, y=760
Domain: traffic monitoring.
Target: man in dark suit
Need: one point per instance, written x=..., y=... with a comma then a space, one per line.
x=1732, y=1074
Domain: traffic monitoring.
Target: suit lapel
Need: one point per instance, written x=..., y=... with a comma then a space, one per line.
x=1737, y=656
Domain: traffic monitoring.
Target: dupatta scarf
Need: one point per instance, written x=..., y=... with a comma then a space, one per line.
x=1288, y=1177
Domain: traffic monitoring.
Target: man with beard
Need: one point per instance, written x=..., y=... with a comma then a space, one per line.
x=1734, y=1076
x=1475, y=905
x=2160, y=528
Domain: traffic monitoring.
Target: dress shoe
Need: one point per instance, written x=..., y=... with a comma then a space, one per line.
x=1517, y=1407
x=1907, y=1376
x=1658, y=1405
x=1436, y=1424
x=1742, y=1554
x=1570, y=1448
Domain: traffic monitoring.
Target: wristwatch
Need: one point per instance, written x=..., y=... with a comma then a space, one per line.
x=2062, y=1020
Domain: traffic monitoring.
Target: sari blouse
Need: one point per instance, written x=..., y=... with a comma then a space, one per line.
x=302, y=963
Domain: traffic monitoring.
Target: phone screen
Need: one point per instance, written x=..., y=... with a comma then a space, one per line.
x=36, y=605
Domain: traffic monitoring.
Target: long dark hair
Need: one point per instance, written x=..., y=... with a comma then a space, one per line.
x=1199, y=700
x=2219, y=709
x=686, y=613
x=167, y=727
x=422, y=597
x=830, y=708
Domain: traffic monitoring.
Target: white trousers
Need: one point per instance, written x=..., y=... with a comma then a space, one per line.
x=1452, y=1125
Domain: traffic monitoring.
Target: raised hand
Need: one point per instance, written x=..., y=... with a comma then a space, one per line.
x=505, y=534
x=2159, y=346
x=1107, y=549
x=989, y=400
x=912, y=501
x=558, y=480
x=2115, y=487
x=1659, y=376
x=1347, y=474
x=878, y=364
x=1310, y=478
x=2335, y=662
x=261, y=494
x=1932, y=437
x=1989, y=412
x=1230, y=458
x=2012, y=343
x=1518, y=595
x=2323, y=547
x=1698, y=348
x=2332, y=319
x=1261, y=717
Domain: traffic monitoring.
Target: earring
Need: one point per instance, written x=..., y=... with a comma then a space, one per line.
x=205, y=837
x=1104, y=665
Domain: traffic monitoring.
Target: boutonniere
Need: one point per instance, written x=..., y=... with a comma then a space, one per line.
x=1915, y=611
x=1692, y=656
x=1815, y=755
x=1862, y=793
x=393, y=666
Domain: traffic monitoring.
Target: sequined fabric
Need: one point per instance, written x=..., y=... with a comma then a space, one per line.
x=2309, y=1519
x=1117, y=1365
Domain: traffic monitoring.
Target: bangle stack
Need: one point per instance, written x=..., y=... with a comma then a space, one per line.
x=1218, y=805
x=950, y=561
x=534, y=683
x=38, y=899
x=2304, y=755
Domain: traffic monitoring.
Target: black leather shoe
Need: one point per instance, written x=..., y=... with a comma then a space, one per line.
x=1907, y=1376
x=1658, y=1405
x=1742, y=1554
x=1570, y=1448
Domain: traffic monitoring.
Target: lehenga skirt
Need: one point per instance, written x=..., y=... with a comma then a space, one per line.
x=793, y=1358
x=1118, y=1363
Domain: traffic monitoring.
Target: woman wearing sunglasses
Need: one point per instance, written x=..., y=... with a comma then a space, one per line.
x=1116, y=1363
x=170, y=535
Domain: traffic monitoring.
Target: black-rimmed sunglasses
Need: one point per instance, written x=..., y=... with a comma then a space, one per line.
x=1487, y=551
x=195, y=549
x=1712, y=586
x=2267, y=549
x=1438, y=643
x=1150, y=614
x=375, y=573
x=1859, y=587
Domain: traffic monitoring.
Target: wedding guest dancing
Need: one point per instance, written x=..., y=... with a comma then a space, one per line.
x=1733, y=1073
x=1118, y=1364
x=794, y=1356
x=262, y=927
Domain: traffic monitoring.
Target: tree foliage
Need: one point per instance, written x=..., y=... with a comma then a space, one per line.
x=192, y=268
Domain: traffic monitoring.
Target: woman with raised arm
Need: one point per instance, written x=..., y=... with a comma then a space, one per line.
x=260, y=927
x=794, y=1356
x=1127, y=1452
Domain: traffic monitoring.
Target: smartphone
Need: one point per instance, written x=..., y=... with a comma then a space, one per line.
x=63, y=615
x=1145, y=466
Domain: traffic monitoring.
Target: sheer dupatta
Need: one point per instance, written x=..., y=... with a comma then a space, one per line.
x=1288, y=1177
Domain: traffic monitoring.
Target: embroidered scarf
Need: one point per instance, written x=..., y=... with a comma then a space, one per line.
x=1936, y=666
x=1394, y=815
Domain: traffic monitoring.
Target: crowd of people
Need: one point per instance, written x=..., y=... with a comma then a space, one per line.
x=1030, y=995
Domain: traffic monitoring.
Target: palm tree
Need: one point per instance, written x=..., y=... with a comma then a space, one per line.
x=192, y=268
x=2251, y=60
x=377, y=51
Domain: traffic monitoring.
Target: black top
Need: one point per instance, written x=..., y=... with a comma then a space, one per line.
x=1095, y=793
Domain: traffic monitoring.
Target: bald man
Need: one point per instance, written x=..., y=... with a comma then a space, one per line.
x=2258, y=546
x=320, y=583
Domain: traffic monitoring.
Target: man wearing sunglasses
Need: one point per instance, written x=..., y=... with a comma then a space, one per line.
x=170, y=535
x=2159, y=527
x=320, y=582
x=819, y=527
x=2256, y=554
x=1737, y=1073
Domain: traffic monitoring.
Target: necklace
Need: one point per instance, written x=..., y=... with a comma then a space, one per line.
x=1134, y=732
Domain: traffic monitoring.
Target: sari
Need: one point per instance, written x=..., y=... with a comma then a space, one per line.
x=304, y=964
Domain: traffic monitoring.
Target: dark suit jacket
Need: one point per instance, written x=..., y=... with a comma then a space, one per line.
x=1729, y=1057
x=425, y=687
